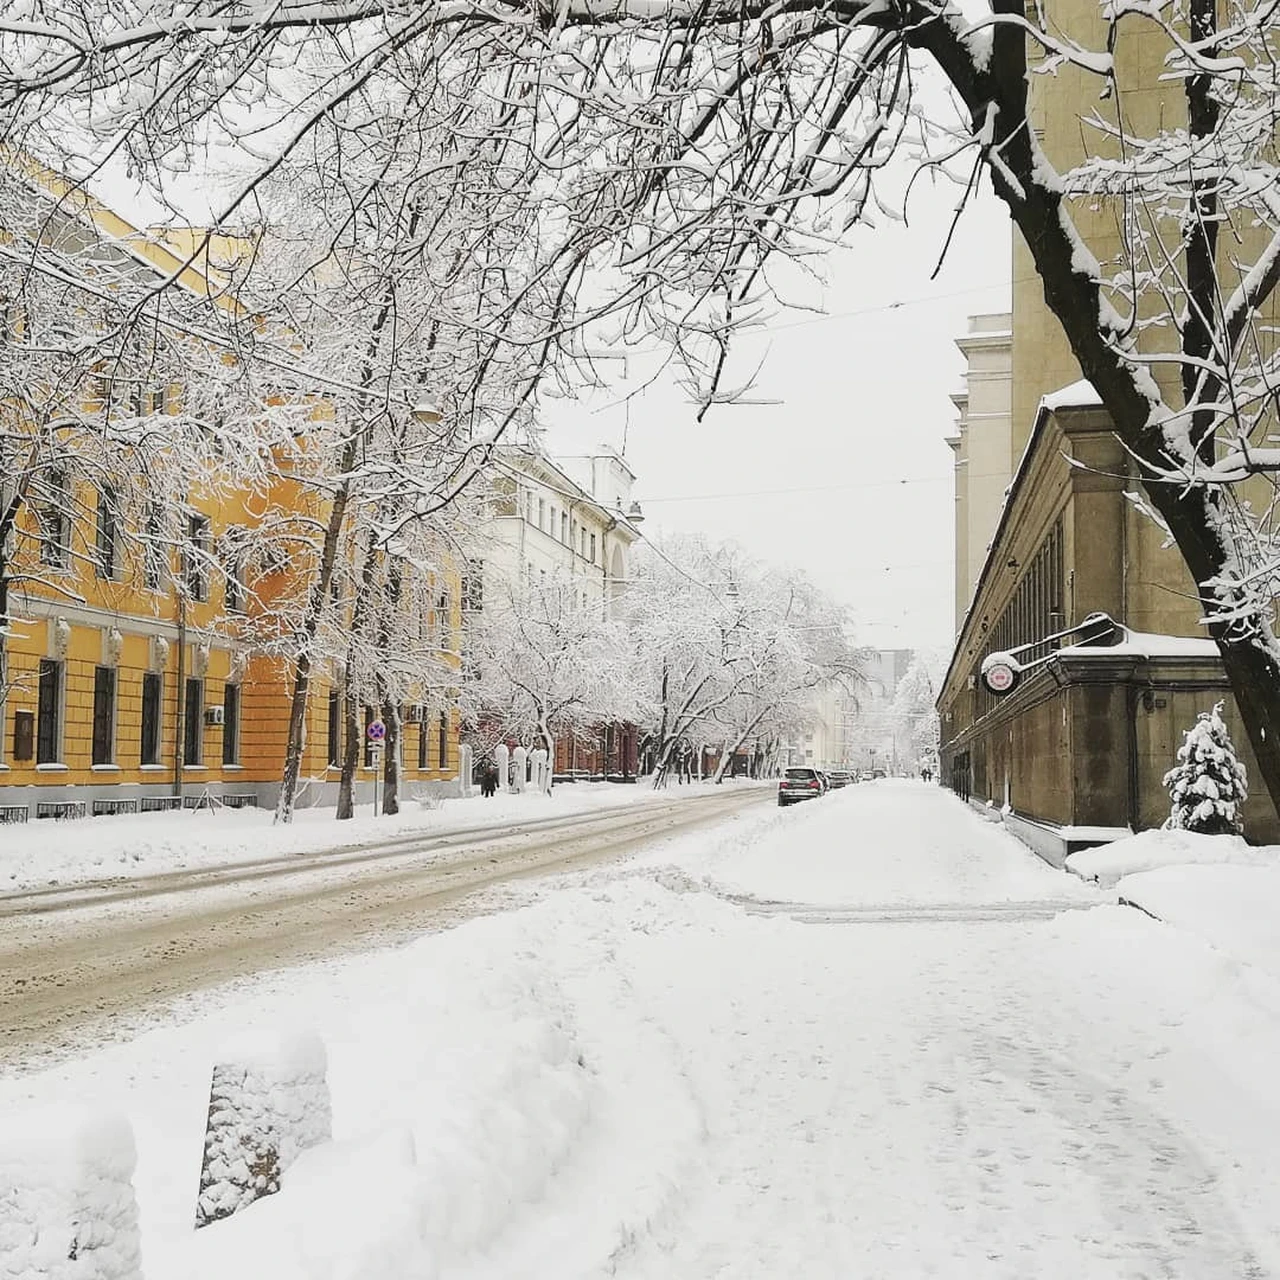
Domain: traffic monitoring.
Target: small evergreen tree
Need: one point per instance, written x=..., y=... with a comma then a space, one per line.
x=1208, y=786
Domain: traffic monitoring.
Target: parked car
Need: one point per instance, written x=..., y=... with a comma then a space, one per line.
x=800, y=784
x=839, y=778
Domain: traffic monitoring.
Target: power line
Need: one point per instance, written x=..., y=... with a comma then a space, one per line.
x=810, y=488
x=746, y=329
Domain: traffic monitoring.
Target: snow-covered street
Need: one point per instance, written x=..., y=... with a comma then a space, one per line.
x=868, y=1036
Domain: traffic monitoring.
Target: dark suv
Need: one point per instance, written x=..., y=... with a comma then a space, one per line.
x=800, y=784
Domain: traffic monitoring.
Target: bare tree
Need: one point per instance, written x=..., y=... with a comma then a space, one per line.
x=548, y=662
x=729, y=651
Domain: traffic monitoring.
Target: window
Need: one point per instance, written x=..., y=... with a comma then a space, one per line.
x=593, y=548
x=528, y=505
x=231, y=724
x=149, y=747
x=107, y=534
x=542, y=513
x=104, y=715
x=49, y=713
x=473, y=588
x=24, y=732
x=195, y=556
x=564, y=527
x=232, y=582
x=444, y=739
x=193, y=723
x=444, y=627
x=335, y=728
x=54, y=523
x=424, y=741
x=154, y=554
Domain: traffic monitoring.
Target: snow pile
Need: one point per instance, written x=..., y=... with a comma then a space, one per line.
x=67, y=1206
x=1148, y=850
x=1207, y=787
x=827, y=852
x=1233, y=908
x=268, y=1102
x=455, y=1117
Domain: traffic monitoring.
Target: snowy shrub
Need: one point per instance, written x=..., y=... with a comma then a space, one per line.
x=1207, y=787
x=267, y=1104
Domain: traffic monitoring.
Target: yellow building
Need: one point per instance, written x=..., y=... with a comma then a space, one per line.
x=138, y=671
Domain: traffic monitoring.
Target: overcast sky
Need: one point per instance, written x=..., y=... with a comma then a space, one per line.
x=849, y=476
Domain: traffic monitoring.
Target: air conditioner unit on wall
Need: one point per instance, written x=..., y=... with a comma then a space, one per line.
x=215, y=715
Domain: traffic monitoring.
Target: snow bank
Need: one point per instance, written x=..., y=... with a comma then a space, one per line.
x=1233, y=908
x=67, y=1207
x=1151, y=849
x=44, y=853
x=829, y=852
x=457, y=1116
x=268, y=1102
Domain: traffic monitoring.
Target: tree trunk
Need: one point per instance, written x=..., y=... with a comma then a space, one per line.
x=391, y=758
x=390, y=706
x=354, y=744
x=351, y=748
x=293, y=742
x=549, y=743
x=316, y=599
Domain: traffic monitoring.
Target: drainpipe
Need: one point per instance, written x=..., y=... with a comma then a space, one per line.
x=179, y=720
x=1131, y=695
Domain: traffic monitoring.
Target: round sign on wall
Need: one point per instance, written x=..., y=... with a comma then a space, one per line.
x=376, y=731
x=999, y=674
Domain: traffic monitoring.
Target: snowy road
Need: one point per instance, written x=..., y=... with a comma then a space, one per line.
x=72, y=960
x=871, y=1036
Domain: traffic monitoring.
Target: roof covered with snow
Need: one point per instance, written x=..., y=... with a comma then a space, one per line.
x=1077, y=395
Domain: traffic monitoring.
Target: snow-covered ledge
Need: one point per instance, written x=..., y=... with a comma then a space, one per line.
x=1053, y=843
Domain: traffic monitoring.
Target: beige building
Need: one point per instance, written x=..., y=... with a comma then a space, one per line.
x=983, y=445
x=1075, y=753
x=572, y=522
x=573, y=519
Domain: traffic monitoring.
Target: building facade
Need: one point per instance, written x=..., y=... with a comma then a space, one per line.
x=1074, y=755
x=982, y=444
x=140, y=668
x=573, y=521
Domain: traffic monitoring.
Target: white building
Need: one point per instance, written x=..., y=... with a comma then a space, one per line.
x=573, y=519
x=822, y=743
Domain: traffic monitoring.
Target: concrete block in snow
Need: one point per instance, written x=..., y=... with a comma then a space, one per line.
x=269, y=1101
x=67, y=1207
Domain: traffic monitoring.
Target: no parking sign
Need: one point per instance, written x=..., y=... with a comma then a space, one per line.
x=376, y=732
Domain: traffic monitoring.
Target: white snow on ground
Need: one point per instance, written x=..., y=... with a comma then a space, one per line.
x=1147, y=850
x=1235, y=909
x=881, y=842
x=642, y=1075
x=42, y=853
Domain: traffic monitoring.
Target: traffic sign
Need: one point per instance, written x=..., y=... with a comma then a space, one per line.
x=376, y=731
